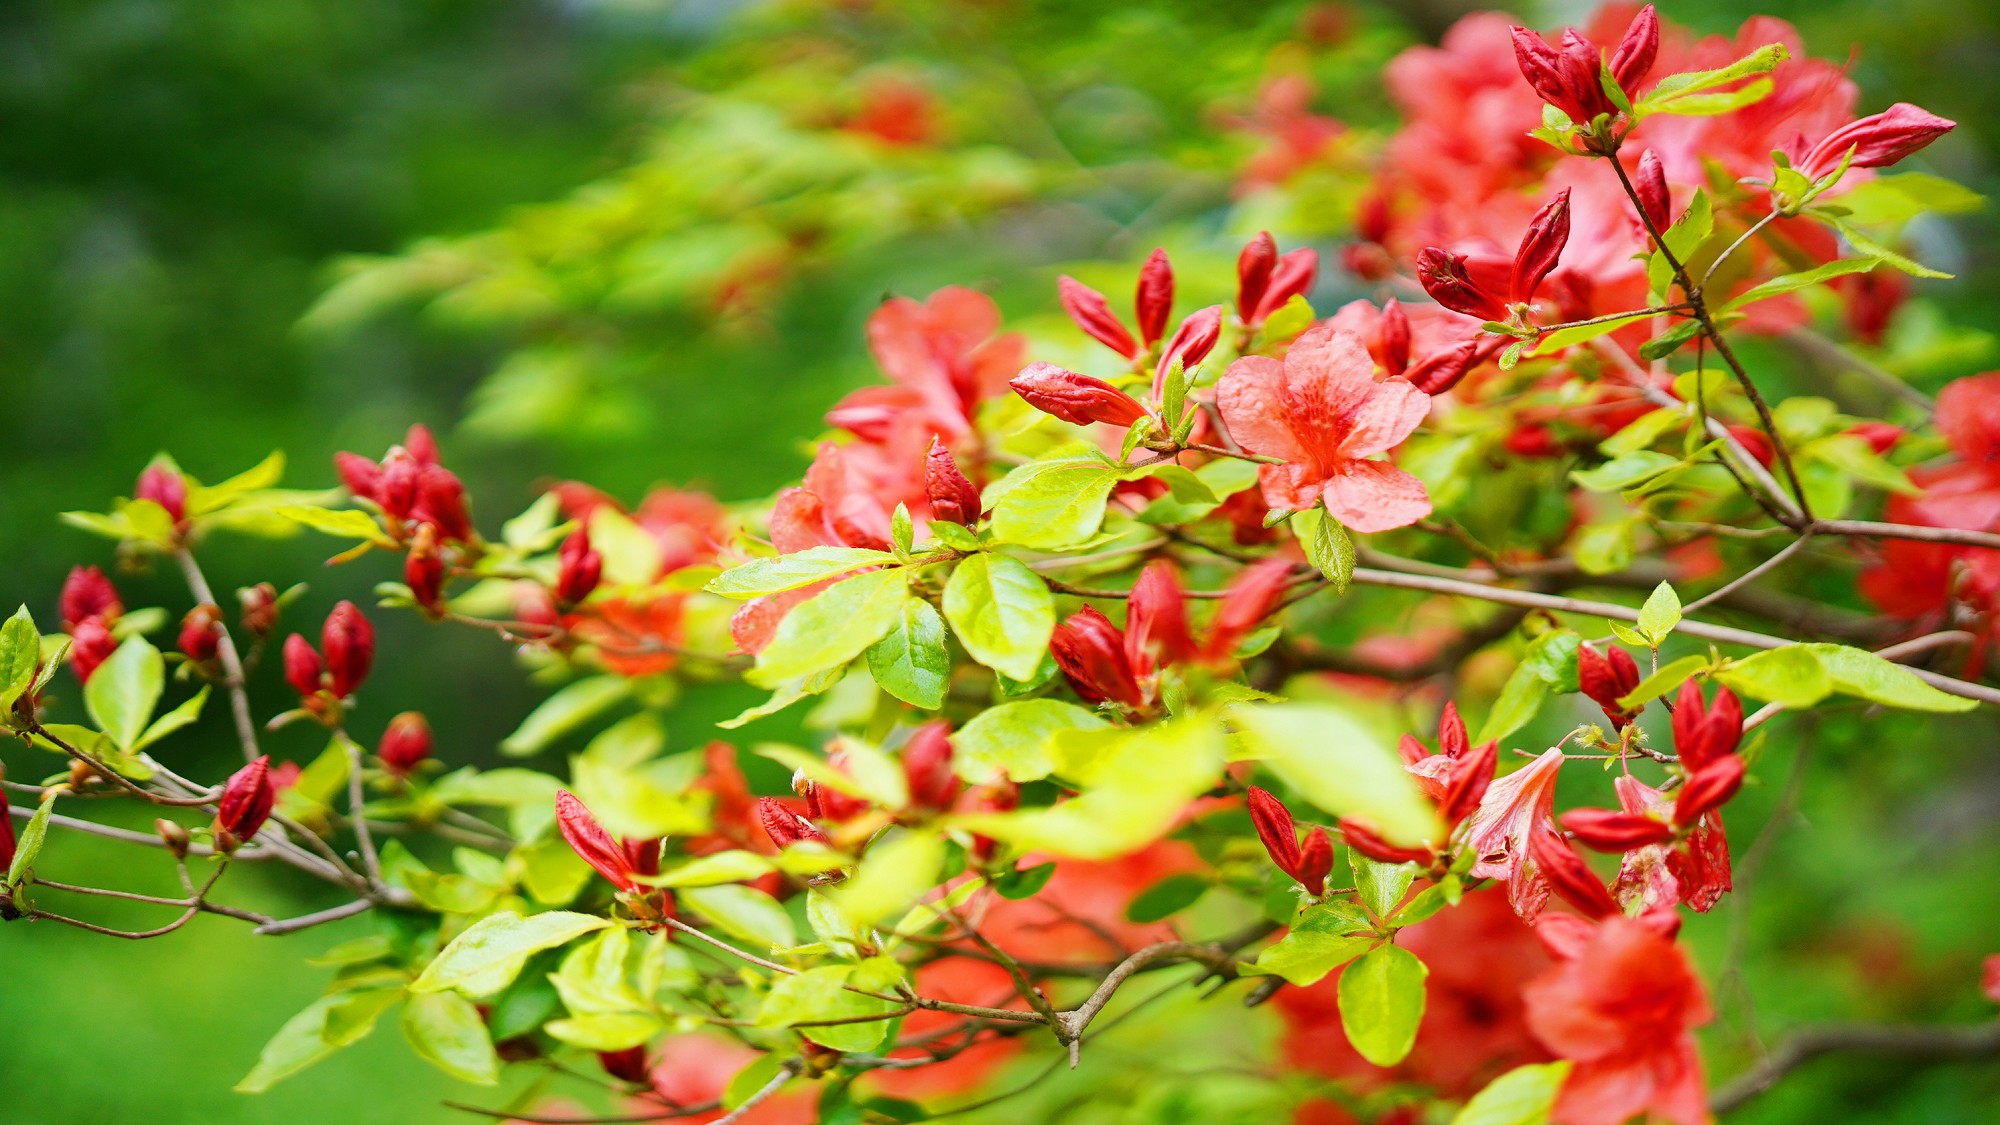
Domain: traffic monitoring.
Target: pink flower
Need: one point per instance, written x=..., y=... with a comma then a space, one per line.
x=1509, y=814
x=1323, y=413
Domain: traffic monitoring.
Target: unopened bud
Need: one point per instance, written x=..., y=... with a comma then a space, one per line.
x=1191, y=343
x=1075, y=398
x=1568, y=875
x=1607, y=830
x=1445, y=277
x=786, y=827
x=1154, y=301
x=361, y=476
x=405, y=743
x=1091, y=653
x=1878, y=141
x=302, y=666
x=200, y=635
x=1364, y=839
x=927, y=767
x=579, y=568
x=423, y=573
x=173, y=836
x=1541, y=246
x=1253, y=274
x=87, y=593
x=348, y=641
x=91, y=644
x=1607, y=677
x=1708, y=788
x=953, y=499
x=1650, y=184
x=441, y=501
x=585, y=836
x=165, y=486
x=1466, y=781
x=1092, y=313
x=247, y=800
x=1395, y=337
x=260, y=608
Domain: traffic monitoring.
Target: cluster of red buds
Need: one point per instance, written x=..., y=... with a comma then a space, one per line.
x=247, y=799
x=163, y=485
x=1455, y=778
x=1266, y=280
x=928, y=777
x=1308, y=863
x=1606, y=677
x=1488, y=287
x=1152, y=305
x=1105, y=664
x=579, y=568
x=90, y=607
x=1572, y=77
x=326, y=676
x=409, y=486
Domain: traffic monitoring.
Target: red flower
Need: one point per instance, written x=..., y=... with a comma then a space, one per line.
x=1454, y=282
x=1265, y=281
x=348, y=641
x=405, y=743
x=1606, y=677
x=1569, y=876
x=1091, y=652
x=1623, y=1009
x=927, y=767
x=1322, y=412
x=198, y=639
x=1877, y=141
x=247, y=799
x=589, y=840
x=1308, y=863
x=942, y=357
x=1569, y=78
x=1513, y=809
x=423, y=573
x=1693, y=871
x=579, y=568
x=786, y=827
x=1704, y=733
x=87, y=593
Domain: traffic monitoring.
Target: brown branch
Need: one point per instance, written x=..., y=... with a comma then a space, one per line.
x=1973, y=1041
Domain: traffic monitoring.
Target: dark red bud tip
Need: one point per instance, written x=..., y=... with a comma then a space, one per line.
x=952, y=497
x=786, y=827
x=1466, y=782
x=1395, y=337
x=1091, y=653
x=1092, y=313
x=247, y=799
x=587, y=837
x=423, y=573
x=628, y=1065
x=1633, y=59
x=1607, y=830
x=260, y=608
x=1708, y=788
x=1253, y=274
x=927, y=767
x=1276, y=829
x=1154, y=300
x=348, y=641
x=87, y=593
x=579, y=568
x=1541, y=247
x=1650, y=184
x=200, y=636
x=1315, y=862
x=1074, y=398
x=1606, y=678
x=1445, y=277
x=1364, y=839
x=1569, y=876
x=420, y=444
x=165, y=486
x=7, y=843
x=303, y=667
x=406, y=742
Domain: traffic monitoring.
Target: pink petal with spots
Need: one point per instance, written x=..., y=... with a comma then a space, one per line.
x=1374, y=496
x=1251, y=399
x=1388, y=415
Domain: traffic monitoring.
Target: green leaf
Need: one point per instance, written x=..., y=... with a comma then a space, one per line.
x=1670, y=341
x=564, y=712
x=1548, y=666
x=1002, y=613
x=821, y=994
x=1522, y=1096
x=1660, y=614
x=1792, y=282
x=606, y=1031
x=124, y=690
x=1668, y=677
x=1548, y=343
x=1052, y=504
x=327, y=1024
x=1382, y=885
x=759, y=577
x=1321, y=939
x=752, y=1078
x=184, y=715
x=347, y=523
x=1327, y=545
x=911, y=662
x=1727, y=101
x=20, y=653
x=1013, y=739
x=1606, y=548
x=743, y=913
x=1381, y=1003
x=890, y=878
x=1887, y=201
x=1025, y=882
x=1853, y=455
x=1294, y=317
x=1625, y=471
x=1676, y=86
x=491, y=952
x=1340, y=766
x=833, y=627
x=1792, y=675
x=1872, y=678
x=1643, y=431
x=447, y=1030
x=29, y=846
x=1169, y=896
x=1860, y=241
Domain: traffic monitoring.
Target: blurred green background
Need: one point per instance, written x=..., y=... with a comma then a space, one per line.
x=183, y=182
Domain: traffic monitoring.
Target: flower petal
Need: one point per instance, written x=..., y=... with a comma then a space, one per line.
x=1328, y=375
x=1250, y=397
x=1393, y=409
x=1374, y=496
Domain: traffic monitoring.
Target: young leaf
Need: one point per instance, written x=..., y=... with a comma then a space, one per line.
x=743, y=913
x=1382, y=885
x=1051, y=504
x=822, y=994
x=1869, y=676
x=30, y=843
x=1660, y=614
x=124, y=690
x=497, y=946
x=1792, y=675
x=1522, y=1096
x=446, y=1029
x=891, y=877
x=1327, y=545
x=184, y=715
x=759, y=577
x=911, y=662
x=1002, y=613
x=1321, y=939
x=1381, y=1000
x=563, y=712
x=1791, y=282
x=327, y=1024
x=1669, y=676
x=832, y=628
x=20, y=650
x=1169, y=896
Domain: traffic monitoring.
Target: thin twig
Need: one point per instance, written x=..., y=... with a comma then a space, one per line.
x=1794, y=1050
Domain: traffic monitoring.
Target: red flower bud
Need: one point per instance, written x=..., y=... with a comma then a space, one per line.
x=1656, y=202
x=824, y=802
x=1441, y=370
x=1453, y=740
x=953, y=499
x=1568, y=875
x=1315, y=862
x=1251, y=597
x=628, y=1065
x=166, y=487
x=1541, y=246
x=927, y=767
x=1395, y=337
x=397, y=492
x=1444, y=276
x=643, y=855
x=1754, y=443
x=260, y=608
x=423, y=573
x=1568, y=79
x=1704, y=733
x=1192, y=342
x=1370, y=843
x=302, y=666
x=1156, y=618
x=1608, y=830
x=247, y=798
x=1077, y=399
x=1633, y=59
x=1091, y=653
x=1583, y=64
x=361, y=476
x=1294, y=276
x=90, y=644
x=786, y=827
x=1154, y=300
x=1607, y=677
x=1253, y=274
x=87, y=593
x=419, y=443
x=1709, y=787
x=1276, y=829
x=579, y=568
x=406, y=742
x=7, y=844
x=1466, y=782
x=1877, y=141
x=588, y=839
x=199, y=637
x=441, y=502
x=1093, y=314
x=1001, y=796
x=349, y=643
x=1880, y=436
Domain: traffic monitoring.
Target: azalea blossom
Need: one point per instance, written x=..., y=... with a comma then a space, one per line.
x=1514, y=807
x=1322, y=412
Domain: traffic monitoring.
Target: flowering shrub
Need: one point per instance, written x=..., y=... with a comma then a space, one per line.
x=1099, y=658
